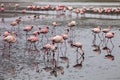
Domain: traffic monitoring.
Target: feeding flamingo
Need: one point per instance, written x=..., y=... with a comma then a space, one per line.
x=78, y=45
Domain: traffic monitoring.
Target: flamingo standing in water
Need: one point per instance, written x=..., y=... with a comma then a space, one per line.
x=77, y=11
x=44, y=32
x=16, y=7
x=71, y=25
x=106, y=30
x=37, y=31
x=10, y=39
x=63, y=57
x=33, y=39
x=70, y=8
x=6, y=33
x=27, y=29
x=54, y=27
x=96, y=31
x=58, y=39
x=48, y=49
x=109, y=36
x=78, y=45
x=14, y=24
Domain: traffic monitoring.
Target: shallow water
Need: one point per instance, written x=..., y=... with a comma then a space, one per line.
x=95, y=66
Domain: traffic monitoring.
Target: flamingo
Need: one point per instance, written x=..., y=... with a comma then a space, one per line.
x=48, y=48
x=106, y=30
x=70, y=8
x=78, y=45
x=27, y=29
x=96, y=31
x=109, y=36
x=10, y=39
x=57, y=39
x=2, y=5
x=2, y=9
x=6, y=33
x=24, y=11
x=77, y=11
x=54, y=27
x=44, y=32
x=14, y=24
x=33, y=39
x=16, y=7
x=37, y=31
x=63, y=57
x=71, y=25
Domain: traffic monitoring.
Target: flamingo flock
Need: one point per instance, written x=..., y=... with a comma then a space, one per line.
x=52, y=46
x=61, y=9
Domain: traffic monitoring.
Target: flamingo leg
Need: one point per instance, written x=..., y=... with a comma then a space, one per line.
x=99, y=37
x=65, y=48
x=111, y=42
x=9, y=50
x=77, y=56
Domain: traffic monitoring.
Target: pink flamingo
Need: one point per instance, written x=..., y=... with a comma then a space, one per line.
x=96, y=31
x=70, y=8
x=54, y=27
x=16, y=7
x=109, y=36
x=14, y=24
x=72, y=24
x=57, y=39
x=77, y=11
x=106, y=30
x=33, y=39
x=6, y=33
x=2, y=5
x=108, y=10
x=44, y=32
x=37, y=31
x=27, y=29
x=63, y=57
x=78, y=45
x=48, y=48
x=24, y=11
x=10, y=39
